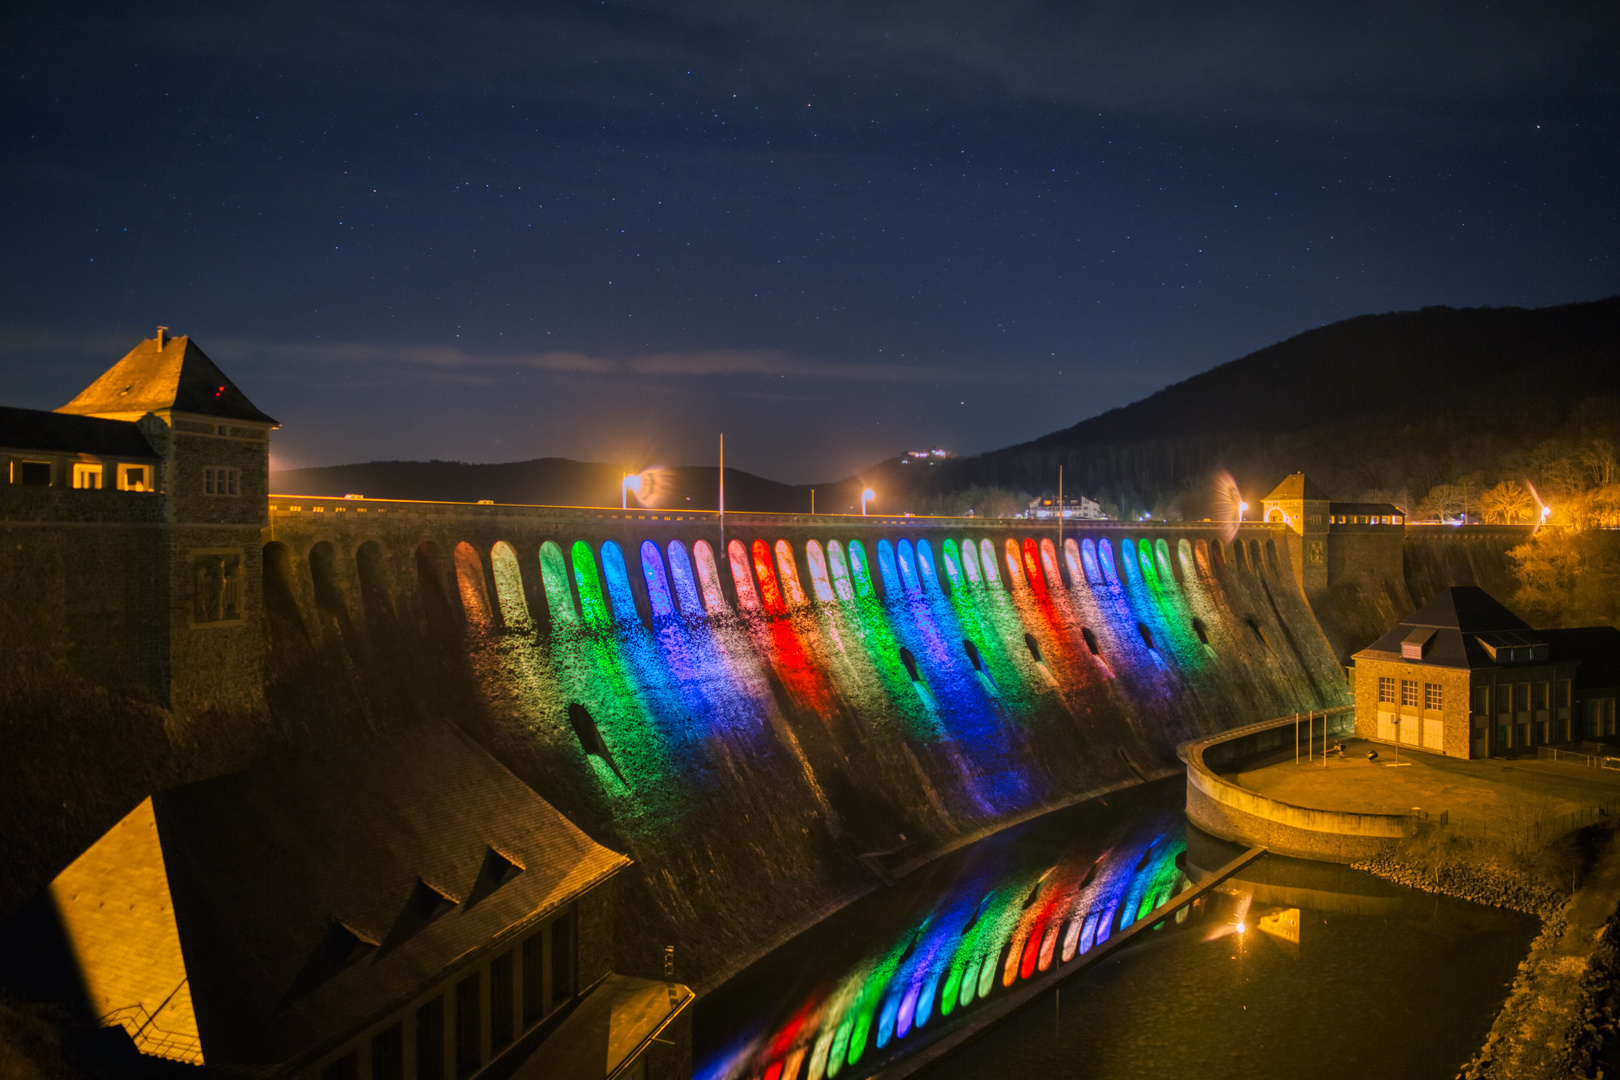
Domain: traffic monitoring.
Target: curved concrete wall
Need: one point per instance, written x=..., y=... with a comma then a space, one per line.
x=1232, y=812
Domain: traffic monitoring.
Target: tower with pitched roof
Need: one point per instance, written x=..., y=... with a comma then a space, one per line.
x=211, y=476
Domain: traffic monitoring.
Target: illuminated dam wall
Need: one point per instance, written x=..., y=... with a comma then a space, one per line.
x=771, y=721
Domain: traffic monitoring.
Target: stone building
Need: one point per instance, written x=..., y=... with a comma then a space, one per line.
x=161, y=463
x=396, y=908
x=1465, y=677
x=1331, y=541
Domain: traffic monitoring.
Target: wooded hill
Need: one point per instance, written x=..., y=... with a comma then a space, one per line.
x=1388, y=404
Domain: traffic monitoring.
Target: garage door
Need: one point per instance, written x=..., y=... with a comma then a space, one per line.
x=1434, y=735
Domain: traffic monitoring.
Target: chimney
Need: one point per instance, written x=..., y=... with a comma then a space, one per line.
x=161, y=331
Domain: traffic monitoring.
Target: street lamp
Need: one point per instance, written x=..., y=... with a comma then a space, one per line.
x=1242, y=508
x=630, y=482
x=866, y=493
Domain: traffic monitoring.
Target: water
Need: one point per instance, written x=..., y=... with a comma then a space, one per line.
x=1384, y=980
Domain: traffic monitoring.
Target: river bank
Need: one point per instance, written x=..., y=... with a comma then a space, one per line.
x=1559, y=1016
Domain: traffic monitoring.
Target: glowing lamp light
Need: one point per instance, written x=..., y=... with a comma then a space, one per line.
x=1546, y=512
x=1243, y=508
x=631, y=482
x=866, y=493
x=1242, y=926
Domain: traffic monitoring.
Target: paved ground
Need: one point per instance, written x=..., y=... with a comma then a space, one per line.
x=1480, y=790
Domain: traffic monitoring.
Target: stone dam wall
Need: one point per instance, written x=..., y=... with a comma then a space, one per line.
x=773, y=721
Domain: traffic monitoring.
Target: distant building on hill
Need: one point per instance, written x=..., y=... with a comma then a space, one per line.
x=1332, y=541
x=1465, y=677
x=396, y=908
x=1078, y=507
x=925, y=457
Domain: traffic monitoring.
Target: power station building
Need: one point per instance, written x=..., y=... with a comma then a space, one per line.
x=1465, y=677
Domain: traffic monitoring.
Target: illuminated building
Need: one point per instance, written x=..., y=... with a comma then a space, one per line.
x=1465, y=677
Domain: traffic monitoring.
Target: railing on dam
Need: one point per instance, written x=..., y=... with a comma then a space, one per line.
x=482, y=554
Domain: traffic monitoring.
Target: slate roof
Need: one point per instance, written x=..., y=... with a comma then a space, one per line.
x=1457, y=617
x=49, y=432
x=176, y=376
x=1295, y=486
x=1596, y=647
x=1370, y=509
x=292, y=884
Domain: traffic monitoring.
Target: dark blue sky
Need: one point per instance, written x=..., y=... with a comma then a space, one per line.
x=833, y=231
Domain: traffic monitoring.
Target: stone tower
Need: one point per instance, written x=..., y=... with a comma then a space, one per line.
x=1297, y=503
x=213, y=477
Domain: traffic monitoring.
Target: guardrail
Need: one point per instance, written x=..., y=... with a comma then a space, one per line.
x=1570, y=757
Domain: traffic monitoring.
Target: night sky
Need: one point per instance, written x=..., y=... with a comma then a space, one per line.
x=833, y=231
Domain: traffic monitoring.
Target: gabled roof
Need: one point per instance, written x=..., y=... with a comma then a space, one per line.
x=296, y=888
x=174, y=375
x=1295, y=486
x=1455, y=628
x=35, y=429
x=1467, y=608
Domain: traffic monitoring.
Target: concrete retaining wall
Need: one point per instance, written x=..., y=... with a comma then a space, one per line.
x=1232, y=812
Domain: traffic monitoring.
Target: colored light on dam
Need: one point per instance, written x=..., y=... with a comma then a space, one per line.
x=769, y=720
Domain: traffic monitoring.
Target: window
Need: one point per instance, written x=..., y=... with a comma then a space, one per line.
x=1543, y=695
x=388, y=1054
x=430, y=1040
x=218, y=480
x=500, y=1002
x=564, y=956
x=1386, y=689
x=534, y=977
x=86, y=477
x=1521, y=697
x=31, y=473
x=1431, y=696
x=135, y=478
x=1563, y=694
x=1482, y=700
x=1409, y=693
x=346, y=1067
x=216, y=586
x=469, y=1021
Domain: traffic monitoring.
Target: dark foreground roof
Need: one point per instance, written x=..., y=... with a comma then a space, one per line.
x=175, y=375
x=35, y=429
x=293, y=886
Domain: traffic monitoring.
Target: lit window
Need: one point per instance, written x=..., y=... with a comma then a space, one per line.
x=134, y=478
x=86, y=476
x=221, y=481
x=1386, y=689
x=1431, y=696
x=1409, y=693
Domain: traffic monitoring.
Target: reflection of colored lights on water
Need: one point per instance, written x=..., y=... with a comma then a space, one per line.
x=980, y=938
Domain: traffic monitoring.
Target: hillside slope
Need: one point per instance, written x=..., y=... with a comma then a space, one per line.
x=1402, y=400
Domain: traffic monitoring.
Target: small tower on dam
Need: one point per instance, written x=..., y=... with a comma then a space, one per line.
x=1300, y=505
x=162, y=465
